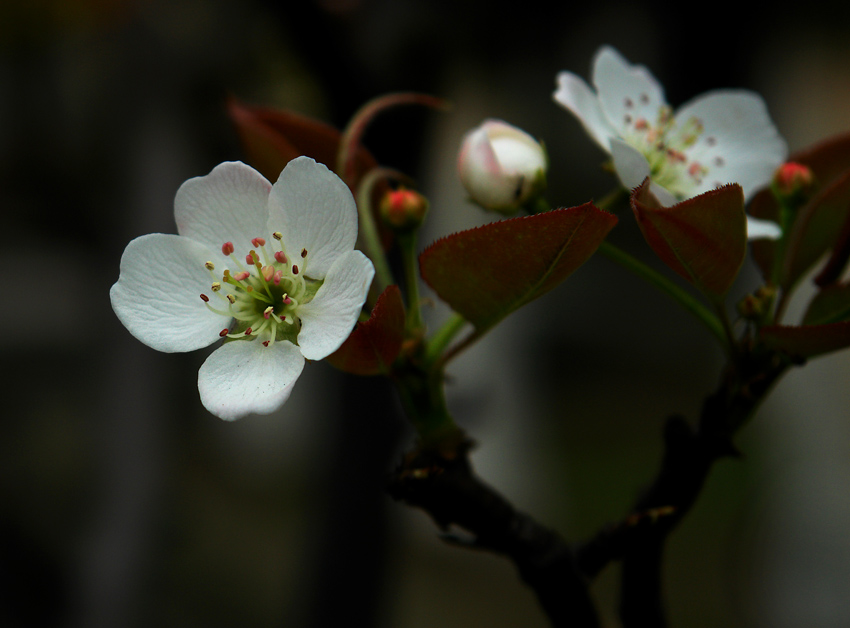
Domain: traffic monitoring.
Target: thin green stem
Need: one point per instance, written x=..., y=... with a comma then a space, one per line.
x=369, y=230
x=692, y=305
x=410, y=264
x=443, y=337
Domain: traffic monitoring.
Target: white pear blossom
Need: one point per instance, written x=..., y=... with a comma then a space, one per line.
x=501, y=166
x=720, y=137
x=272, y=269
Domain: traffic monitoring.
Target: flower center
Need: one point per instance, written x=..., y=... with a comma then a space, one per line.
x=261, y=294
x=665, y=145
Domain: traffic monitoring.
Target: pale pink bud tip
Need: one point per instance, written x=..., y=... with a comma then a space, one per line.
x=258, y=242
x=268, y=272
x=241, y=276
x=227, y=248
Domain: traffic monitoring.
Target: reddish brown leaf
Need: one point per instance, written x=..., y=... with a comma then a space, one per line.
x=272, y=137
x=703, y=239
x=830, y=305
x=829, y=160
x=488, y=272
x=807, y=341
x=374, y=345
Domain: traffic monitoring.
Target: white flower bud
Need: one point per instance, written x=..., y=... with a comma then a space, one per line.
x=502, y=167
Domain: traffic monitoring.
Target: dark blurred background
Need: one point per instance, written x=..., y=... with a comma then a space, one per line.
x=123, y=503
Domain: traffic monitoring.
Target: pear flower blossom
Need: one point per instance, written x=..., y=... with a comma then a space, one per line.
x=272, y=269
x=501, y=166
x=717, y=138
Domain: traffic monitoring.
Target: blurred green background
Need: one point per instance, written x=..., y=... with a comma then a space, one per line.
x=123, y=503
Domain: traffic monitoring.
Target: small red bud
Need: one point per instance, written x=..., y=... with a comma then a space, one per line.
x=227, y=248
x=403, y=209
x=793, y=181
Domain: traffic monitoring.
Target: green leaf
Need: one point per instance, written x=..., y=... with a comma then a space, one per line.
x=818, y=222
x=374, y=345
x=488, y=272
x=703, y=239
x=830, y=305
x=807, y=341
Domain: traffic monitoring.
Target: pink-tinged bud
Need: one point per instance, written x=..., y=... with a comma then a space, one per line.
x=280, y=257
x=403, y=209
x=268, y=272
x=227, y=248
x=502, y=167
x=241, y=276
x=249, y=259
x=793, y=181
x=277, y=277
x=258, y=242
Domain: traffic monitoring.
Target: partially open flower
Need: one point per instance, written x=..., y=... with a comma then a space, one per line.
x=270, y=268
x=723, y=136
x=502, y=167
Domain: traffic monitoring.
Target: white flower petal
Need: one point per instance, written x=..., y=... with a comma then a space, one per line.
x=480, y=172
x=626, y=92
x=328, y=319
x=739, y=143
x=758, y=228
x=230, y=204
x=629, y=163
x=243, y=376
x=157, y=295
x=314, y=210
x=576, y=95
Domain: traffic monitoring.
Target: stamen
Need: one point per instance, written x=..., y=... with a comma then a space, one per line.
x=277, y=235
x=209, y=265
x=268, y=312
x=242, y=276
x=277, y=277
x=205, y=298
x=267, y=272
x=231, y=298
x=258, y=242
x=294, y=269
x=227, y=248
x=224, y=332
x=216, y=286
x=286, y=299
x=280, y=257
x=303, y=253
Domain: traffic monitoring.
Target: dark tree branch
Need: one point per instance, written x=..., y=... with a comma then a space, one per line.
x=688, y=458
x=445, y=486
